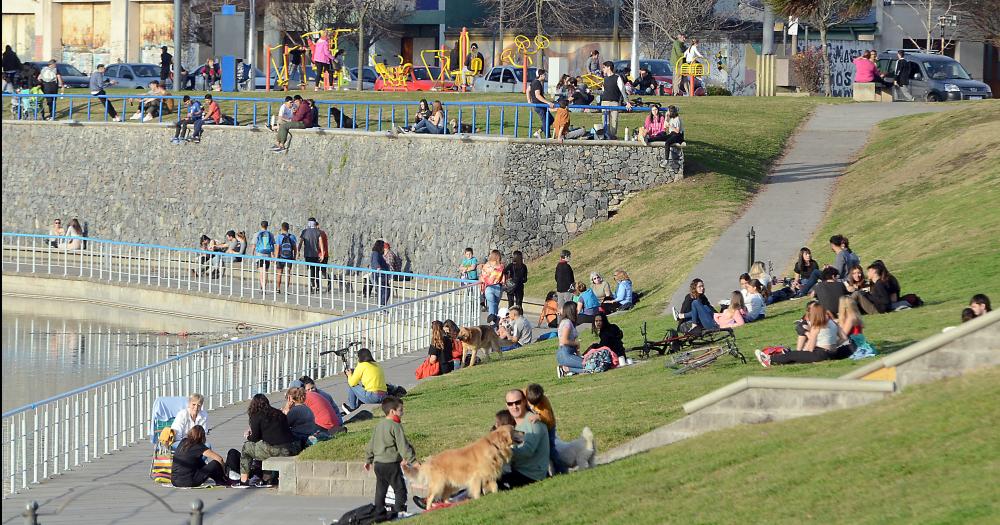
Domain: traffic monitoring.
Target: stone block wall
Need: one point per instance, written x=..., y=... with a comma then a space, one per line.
x=429, y=196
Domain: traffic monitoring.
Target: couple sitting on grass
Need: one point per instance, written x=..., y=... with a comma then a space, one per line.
x=744, y=306
x=822, y=336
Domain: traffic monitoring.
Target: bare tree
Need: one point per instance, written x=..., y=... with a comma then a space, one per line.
x=935, y=15
x=983, y=18
x=821, y=14
x=542, y=16
x=661, y=20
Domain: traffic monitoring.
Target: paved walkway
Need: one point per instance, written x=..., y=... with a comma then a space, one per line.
x=794, y=198
x=123, y=504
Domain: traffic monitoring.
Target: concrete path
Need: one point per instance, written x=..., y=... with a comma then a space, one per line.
x=793, y=201
x=124, y=504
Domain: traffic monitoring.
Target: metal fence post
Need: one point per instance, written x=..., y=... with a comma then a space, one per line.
x=31, y=513
x=196, y=512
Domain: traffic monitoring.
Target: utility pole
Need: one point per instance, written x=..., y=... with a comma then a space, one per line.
x=177, y=45
x=767, y=36
x=635, y=39
x=616, y=16
x=252, y=43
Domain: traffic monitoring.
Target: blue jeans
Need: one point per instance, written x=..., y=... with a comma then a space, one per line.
x=805, y=285
x=702, y=316
x=493, y=293
x=356, y=395
x=567, y=356
x=508, y=348
x=545, y=120
x=425, y=126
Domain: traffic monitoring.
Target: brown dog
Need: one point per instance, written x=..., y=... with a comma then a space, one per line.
x=475, y=338
x=475, y=467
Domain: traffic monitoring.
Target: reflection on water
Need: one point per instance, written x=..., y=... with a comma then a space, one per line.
x=51, y=347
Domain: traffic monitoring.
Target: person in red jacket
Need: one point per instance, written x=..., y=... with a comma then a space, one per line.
x=301, y=119
x=212, y=115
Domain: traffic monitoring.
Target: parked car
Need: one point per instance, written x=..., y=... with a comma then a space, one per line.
x=935, y=78
x=72, y=77
x=259, y=81
x=662, y=71
x=503, y=79
x=134, y=75
x=421, y=79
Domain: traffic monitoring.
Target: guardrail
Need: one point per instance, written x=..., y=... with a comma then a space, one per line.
x=47, y=437
x=511, y=119
x=229, y=275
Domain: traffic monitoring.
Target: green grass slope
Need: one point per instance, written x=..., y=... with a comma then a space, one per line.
x=928, y=455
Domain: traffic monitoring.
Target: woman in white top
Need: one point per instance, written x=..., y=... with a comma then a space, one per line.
x=568, y=354
x=755, y=301
x=186, y=419
x=435, y=123
x=74, y=230
x=692, y=52
x=56, y=231
x=675, y=133
x=824, y=341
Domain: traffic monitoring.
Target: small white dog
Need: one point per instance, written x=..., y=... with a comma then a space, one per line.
x=580, y=453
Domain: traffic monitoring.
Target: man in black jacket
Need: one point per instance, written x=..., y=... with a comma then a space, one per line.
x=564, y=280
x=902, y=77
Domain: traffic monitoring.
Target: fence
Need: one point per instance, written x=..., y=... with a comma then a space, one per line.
x=490, y=118
x=56, y=434
x=230, y=275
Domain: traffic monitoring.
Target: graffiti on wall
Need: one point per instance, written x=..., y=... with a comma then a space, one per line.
x=842, y=53
x=729, y=66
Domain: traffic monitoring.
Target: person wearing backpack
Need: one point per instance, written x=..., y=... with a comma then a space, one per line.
x=284, y=248
x=264, y=247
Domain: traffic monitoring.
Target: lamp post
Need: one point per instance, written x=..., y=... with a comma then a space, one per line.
x=177, y=45
x=635, y=39
x=944, y=22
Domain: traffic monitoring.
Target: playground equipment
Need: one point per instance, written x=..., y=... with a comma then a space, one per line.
x=699, y=68
x=283, y=71
x=593, y=81
x=523, y=46
x=309, y=48
x=394, y=78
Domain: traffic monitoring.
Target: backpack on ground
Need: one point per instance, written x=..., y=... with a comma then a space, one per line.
x=161, y=469
x=598, y=360
x=287, y=248
x=265, y=243
x=365, y=515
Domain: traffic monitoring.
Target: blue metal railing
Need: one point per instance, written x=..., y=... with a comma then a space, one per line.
x=489, y=118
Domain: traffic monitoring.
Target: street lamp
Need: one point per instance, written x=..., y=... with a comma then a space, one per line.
x=944, y=22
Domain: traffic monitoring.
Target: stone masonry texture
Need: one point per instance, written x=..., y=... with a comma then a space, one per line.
x=429, y=196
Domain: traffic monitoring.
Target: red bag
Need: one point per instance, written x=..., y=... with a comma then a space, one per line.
x=772, y=350
x=427, y=369
x=456, y=349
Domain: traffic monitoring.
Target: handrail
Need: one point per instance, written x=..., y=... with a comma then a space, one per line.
x=222, y=344
x=230, y=255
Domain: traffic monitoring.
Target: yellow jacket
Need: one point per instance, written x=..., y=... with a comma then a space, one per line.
x=370, y=376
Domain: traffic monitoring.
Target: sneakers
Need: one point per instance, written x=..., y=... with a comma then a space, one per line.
x=117, y=119
x=265, y=484
x=136, y=116
x=240, y=485
x=673, y=310
x=344, y=409
x=421, y=503
x=277, y=149
x=176, y=140
x=537, y=134
x=763, y=359
x=559, y=372
x=147, y=118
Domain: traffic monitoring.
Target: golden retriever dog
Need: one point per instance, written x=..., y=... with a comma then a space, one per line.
x=476, y=338
x=475, y=467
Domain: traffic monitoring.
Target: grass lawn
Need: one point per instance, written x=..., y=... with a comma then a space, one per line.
x=452, y=410
x=928, y=455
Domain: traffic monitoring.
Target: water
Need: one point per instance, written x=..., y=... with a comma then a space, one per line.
x=51, y=347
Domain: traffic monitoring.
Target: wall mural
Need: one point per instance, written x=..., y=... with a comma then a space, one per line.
x=156, y=28
x=85, y=35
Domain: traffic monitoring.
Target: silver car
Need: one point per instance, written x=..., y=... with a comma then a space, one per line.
x=503, y=79
x=136, y=76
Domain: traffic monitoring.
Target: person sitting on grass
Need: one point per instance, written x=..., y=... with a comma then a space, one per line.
x=539, y=403
x=587, y=304
x=968, y=314
x=195, y=463
x=829, y=290
x=550, y=311
x=568, y=354
x=734, y=313
x=530, y=460
x=268, y=436
x=440, y=349
x=855, y=279
x=878, y=299
x=849, y=318
x=366, y=382
x=457, y=347
x=624, y=298
x=423, y=112
x=301, y=421
x=825, y=340
x=601, y=287
x=655, y=127
x=756, y=305
x=980, y=304
x=518, y=330
x=609, y=335
x=808, y=272
x=696, y=308
x=845, y=258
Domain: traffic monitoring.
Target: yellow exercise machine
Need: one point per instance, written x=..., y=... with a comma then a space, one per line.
x=523, y=46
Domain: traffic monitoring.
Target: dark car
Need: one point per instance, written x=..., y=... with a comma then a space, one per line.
x=72, y=77
x=662, y=71
x=935, y=78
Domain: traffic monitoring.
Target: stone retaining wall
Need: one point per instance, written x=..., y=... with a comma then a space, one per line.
x=430, y=196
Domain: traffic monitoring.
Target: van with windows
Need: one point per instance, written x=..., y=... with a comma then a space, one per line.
x=935, y=78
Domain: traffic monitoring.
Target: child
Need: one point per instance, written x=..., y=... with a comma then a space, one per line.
x=732, y=316
x=386, y=450
x=541, y=406
x=561, y=124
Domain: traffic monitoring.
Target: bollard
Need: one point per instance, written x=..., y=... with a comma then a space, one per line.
x=751, y=245
x=196, y=512
x=31, y=513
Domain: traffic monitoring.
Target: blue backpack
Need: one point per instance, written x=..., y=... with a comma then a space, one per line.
x=286, y=248
x=265, y=243
x=599, y=361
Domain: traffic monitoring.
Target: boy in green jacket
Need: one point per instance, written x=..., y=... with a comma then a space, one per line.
x=386, y=450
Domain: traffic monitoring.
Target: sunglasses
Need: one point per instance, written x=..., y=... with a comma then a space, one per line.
x=515, y=403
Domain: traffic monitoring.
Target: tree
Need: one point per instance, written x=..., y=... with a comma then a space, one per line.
x=542, y=16
x=983, y=17
x=931, y=13
x=822, y=15
x=661, y=20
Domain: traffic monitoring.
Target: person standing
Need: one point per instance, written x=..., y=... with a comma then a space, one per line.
x=97, y=85
x=11, y=66
x=309, y=246
x=536, y=95
x=284, y=248
x=295, y=61
x=515, y=275
x=379, y=279
x=324, y=257
x=263, y=247
x=677, y=52
x=52, y=82
x=901, y=77
x=322, y=58
x=386, y=451
x=166, y=63
x=491, y=278
x=613, y=95
x=565, y=281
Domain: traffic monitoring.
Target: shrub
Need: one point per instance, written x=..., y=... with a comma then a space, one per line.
x=808, y=68
x=719, y=91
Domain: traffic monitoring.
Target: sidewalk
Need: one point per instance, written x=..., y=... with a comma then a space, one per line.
x=794, y=197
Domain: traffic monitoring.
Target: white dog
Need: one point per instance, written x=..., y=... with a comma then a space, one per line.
x=580, y=453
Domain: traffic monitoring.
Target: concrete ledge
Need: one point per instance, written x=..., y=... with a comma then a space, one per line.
x=787, y=383
x=986, y=322
x=322, y=478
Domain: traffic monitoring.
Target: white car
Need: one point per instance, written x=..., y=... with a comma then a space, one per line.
x=503, y=79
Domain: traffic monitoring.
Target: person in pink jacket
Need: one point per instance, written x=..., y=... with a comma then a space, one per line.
x=321, y=58
x=655, y=127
